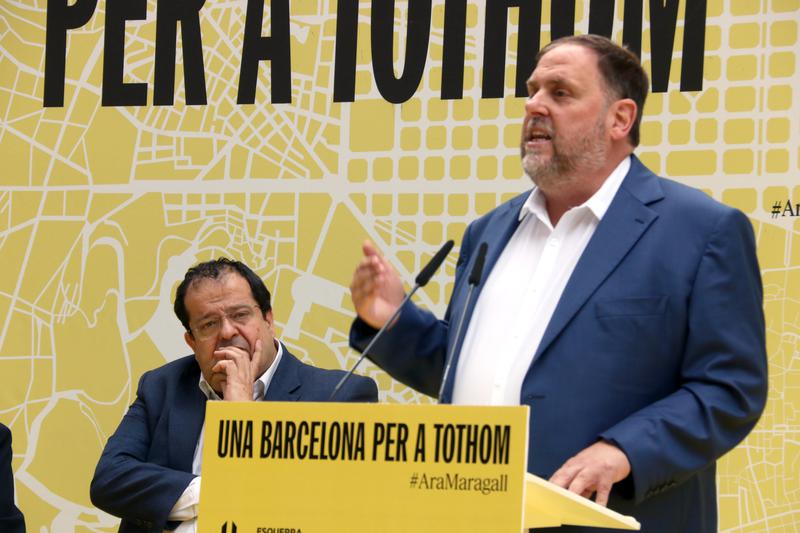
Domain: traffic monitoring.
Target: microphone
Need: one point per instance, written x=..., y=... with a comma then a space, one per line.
x=428, y=270
x=421, y=280
x=473, y=281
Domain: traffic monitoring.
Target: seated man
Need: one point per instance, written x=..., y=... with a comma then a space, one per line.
x=149, y=471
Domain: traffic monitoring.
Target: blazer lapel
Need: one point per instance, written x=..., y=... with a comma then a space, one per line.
x=186, y=420
x=626, y=220
x=285, y=385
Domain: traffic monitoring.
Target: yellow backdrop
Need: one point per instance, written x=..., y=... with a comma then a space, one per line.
x=102, y=208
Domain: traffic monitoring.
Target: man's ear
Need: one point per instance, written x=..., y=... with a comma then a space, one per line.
x=187, y=336
x=270, y=320
x=623, y=116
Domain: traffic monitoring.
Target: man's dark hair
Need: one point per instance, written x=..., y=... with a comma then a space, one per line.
x=215, y=269
x=621, y=70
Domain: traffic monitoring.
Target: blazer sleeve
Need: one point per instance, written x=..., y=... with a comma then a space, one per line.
x=723, y=373
x=359, y=389
x=126, y=482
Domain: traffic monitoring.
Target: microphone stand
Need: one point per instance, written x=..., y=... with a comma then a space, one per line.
x=474, y=281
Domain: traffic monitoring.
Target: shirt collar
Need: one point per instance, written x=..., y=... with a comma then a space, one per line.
x=260, y=385
x=598, y=204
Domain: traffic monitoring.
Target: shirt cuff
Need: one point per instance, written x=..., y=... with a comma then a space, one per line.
x=186, y=506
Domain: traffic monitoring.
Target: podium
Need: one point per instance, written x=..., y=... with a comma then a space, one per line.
x=548, y=505
x=294, y=467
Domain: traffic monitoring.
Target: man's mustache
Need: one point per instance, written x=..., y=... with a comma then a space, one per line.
x=238, y=341
x=541, y=124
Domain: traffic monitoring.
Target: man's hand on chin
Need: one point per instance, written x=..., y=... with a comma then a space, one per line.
x=239, y=367
x=593, y=470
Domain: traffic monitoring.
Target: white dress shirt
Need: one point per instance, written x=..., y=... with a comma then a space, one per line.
x=185, y=509
x=521, y=294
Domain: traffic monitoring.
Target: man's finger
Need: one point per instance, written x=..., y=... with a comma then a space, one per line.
x=563, y=477
x=603, y=490
x=369, y=249
x=373, y=260
x=255, y=358
x=594, y=470
x=582, y=483
x=232, y=352
x=224, y=365
x=364, y=279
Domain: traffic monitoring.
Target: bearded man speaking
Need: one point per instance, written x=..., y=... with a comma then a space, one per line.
x=625, y=309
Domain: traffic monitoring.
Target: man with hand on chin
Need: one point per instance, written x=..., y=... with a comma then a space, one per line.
x=149, y=472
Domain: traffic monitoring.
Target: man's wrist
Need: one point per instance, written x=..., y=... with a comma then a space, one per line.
x=186, y=506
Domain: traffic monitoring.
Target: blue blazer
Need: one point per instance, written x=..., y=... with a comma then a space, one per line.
x=147, y=463
x=657, y=345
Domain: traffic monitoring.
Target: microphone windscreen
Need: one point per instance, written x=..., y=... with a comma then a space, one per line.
x=477, y=267
x=433, y=265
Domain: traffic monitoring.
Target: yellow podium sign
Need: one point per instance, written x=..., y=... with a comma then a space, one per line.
x=277, y=467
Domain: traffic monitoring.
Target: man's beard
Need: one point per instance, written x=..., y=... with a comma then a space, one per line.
x=570, y=158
